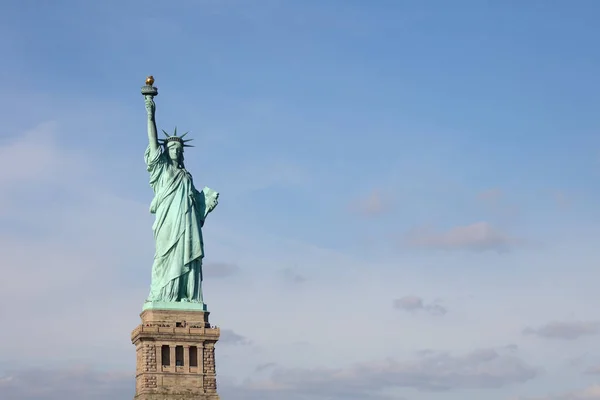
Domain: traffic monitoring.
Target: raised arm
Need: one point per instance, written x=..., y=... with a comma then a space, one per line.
x=152, y=134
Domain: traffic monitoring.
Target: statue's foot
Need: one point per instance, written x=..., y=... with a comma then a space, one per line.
x=184, y=300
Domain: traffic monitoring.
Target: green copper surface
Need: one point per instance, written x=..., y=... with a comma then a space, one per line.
x=177, y=305
x=180, y=211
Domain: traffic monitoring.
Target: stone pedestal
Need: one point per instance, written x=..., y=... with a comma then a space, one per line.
x=175, y=353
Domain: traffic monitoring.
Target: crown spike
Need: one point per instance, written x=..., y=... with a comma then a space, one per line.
x=175, y=138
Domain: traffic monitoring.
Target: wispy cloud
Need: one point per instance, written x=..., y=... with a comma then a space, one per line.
x=590, y=393
x=70, y=240
x=562, y=199
x=56, y=384
x=376, y=203
x=36, y=163
x=416, y=304
x=265, y=366
x=490, y=196
x=495, y=202
x=565, y=330
x=595, y=370
x=293, y=276
x=230, y=337
x=433, y=371
x=486, y=368
x=479, y=236
x=219, y=270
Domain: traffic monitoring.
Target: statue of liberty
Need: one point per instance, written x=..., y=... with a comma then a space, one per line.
x=180, y=212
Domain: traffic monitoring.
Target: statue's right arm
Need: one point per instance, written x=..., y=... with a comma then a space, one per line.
x=152, y=134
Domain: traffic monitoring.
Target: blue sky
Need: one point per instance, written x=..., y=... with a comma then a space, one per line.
x=407, y=193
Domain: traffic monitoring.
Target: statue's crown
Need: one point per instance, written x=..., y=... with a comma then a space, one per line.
x=175, y=138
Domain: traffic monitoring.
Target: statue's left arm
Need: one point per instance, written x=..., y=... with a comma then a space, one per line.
x=206, y=201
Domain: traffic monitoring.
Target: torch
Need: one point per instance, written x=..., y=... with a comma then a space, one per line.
x=148, y=89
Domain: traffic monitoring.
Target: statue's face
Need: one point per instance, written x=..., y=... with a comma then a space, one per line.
x=175, y=151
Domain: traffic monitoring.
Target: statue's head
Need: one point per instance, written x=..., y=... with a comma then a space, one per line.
x=174, y=146
x=175, y=151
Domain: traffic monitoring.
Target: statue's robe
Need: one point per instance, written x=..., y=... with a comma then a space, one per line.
x=180, y=212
